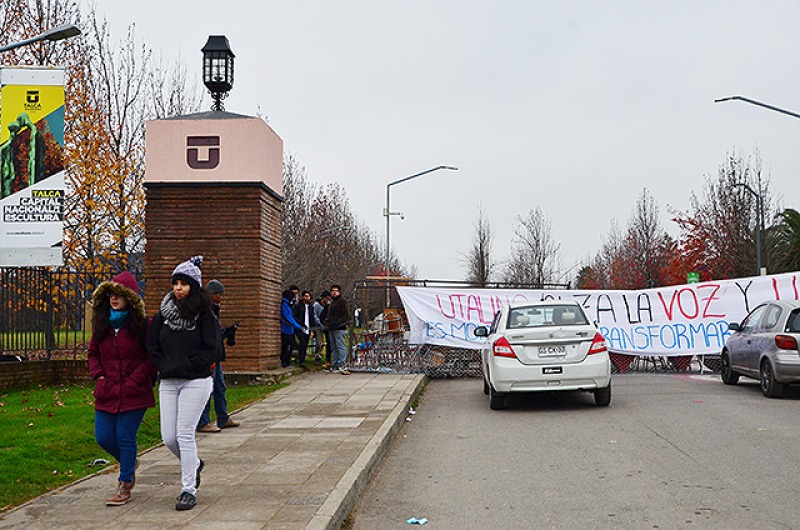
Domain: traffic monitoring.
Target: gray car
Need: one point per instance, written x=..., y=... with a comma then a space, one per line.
x=764, y=347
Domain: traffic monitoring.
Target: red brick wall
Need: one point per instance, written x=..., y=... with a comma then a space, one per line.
x=33, y=373
x=237, y=228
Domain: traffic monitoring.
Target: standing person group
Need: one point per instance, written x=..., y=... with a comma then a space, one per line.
x=123, y=374
x=328, y=317
x=184, y=344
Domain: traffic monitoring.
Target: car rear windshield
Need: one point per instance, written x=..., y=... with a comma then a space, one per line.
x=793, y=323
x=545, y=315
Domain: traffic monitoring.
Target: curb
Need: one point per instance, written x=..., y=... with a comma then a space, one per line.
x=343, y=498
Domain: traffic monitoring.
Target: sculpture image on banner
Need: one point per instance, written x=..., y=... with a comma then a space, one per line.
x=676, y=320
x=31, y=166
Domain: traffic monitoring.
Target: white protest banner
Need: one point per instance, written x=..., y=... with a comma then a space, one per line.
x=687, y=319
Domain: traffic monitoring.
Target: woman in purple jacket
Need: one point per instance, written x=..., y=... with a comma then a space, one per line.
x=123, y=374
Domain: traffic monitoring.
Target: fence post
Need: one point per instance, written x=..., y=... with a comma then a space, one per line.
x=48, y=324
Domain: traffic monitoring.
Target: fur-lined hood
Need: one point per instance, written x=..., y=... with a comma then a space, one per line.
x=124, y=285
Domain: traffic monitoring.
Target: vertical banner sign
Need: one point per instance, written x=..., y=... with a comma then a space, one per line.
x=31, y=166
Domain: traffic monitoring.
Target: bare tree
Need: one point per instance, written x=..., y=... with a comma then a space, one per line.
x=534, y=252
x=478, y=259
x=603, y=266
x=323, y=241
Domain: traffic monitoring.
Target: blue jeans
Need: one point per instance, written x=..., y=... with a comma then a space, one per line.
x=220, y=403
x=339, y=348
x=116, y=433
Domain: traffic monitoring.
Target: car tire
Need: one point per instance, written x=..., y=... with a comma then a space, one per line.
x=602, y=396
x=485, y=386
x=769, y=386
x=729, y=377
x=497, y=401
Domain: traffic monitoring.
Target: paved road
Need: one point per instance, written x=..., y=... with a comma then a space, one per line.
x=670, y=452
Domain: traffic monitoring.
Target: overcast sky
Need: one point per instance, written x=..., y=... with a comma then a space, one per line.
x=574, y=107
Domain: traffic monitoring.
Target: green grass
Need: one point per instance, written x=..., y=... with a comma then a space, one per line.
x=47, y=436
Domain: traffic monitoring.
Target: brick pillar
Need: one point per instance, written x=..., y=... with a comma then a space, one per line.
x=214, y=188
x=236, y=227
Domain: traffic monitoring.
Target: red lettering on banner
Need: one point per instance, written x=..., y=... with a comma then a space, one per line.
x=709, y=299
x=776, y=290
x=696, y=304
x=667, y=311
x=677, y=295
x=474, y=304
x=441, y=309
x=460, y=304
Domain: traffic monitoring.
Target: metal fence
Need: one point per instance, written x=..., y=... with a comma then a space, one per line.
x=44, y=313
x=392, y=353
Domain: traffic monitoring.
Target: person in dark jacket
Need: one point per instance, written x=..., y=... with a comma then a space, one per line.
x=303, y=312
x=123, y=375
x=288, y=328
x=184, y=343
x=224, y=421
x=337, y=320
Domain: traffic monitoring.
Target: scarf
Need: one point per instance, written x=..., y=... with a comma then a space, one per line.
x=116, y=318
x=172, y=316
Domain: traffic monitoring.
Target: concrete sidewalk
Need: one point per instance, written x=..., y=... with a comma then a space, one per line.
x=299, y=460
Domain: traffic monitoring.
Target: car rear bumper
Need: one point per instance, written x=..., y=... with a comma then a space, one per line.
x=787, y=367
x=509, y=375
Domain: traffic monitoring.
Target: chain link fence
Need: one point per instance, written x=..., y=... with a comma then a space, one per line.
x=392, y=353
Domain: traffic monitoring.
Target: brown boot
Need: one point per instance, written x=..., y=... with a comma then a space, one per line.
x=122, y=496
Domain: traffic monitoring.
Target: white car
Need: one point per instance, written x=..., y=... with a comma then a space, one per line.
x=543, y=347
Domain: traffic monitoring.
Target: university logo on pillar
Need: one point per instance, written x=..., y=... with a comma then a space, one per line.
x=211, y=153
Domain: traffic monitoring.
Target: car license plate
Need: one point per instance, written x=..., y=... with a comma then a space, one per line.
x=550, y=370
x=552, y=351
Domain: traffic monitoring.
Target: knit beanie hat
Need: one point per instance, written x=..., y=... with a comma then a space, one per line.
x=215, y=287
x=189, y=271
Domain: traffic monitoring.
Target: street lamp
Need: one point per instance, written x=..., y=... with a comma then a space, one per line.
x=758, y=222
x=60, y=33
x=218, y=69
x=760, y=104
x=387, y=213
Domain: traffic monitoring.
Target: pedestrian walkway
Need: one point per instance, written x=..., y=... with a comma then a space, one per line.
x=299, y=460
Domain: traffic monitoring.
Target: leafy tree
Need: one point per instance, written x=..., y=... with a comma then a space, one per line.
x=111, y=89
x=787, y=249
x=718, y=233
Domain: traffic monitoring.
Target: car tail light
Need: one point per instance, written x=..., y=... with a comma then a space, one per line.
x=598, y=344
x=785, y=342
x=501, y=348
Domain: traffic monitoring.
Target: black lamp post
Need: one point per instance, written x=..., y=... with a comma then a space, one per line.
x=218, y=69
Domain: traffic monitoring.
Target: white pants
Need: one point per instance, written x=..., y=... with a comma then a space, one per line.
x=182, y=402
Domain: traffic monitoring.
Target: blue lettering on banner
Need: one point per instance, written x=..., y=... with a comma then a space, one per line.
x=667, y=337
x=442, y=330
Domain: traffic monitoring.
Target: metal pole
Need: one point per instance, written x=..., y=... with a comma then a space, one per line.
x=386, y=261
x=758, y=232
x=758, y=223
